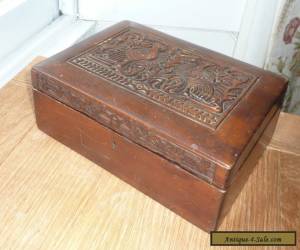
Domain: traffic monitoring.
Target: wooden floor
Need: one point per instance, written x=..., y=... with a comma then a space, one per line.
x=53, y=198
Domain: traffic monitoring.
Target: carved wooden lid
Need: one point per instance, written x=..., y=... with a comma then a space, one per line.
x=192, y=106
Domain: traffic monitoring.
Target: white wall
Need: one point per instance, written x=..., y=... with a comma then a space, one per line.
x=210, y=15
x=221, y=41
x=214, y=24
x=19, y=20
x=238, y=28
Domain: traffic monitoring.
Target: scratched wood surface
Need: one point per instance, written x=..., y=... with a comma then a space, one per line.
x=53, y=198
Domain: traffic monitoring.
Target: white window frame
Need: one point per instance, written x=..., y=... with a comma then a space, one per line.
x=30, y=28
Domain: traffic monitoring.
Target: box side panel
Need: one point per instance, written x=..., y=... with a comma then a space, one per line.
x=242, y=174
x=241, y=163
x=229, y=176
x=192, y=198
x=240, y=179
x=126, y=125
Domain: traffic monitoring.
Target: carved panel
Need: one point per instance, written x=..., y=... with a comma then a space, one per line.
x=177, y=78
x=128, y=127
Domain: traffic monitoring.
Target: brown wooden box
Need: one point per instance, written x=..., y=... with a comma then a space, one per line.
x=173, y=119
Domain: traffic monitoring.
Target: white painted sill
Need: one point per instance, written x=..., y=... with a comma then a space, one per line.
x=60, y=34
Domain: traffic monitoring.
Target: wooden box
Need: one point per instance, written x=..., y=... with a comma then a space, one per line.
x=173, y=119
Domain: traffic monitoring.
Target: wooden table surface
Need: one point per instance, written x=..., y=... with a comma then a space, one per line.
x=53, y=198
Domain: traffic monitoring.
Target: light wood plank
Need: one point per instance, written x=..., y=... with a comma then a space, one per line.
x=286, y=137
x=16, y=117
x=24, y=76
x=289, y=195
x=16, y=111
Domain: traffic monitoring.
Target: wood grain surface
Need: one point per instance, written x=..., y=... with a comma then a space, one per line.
x=53, y=198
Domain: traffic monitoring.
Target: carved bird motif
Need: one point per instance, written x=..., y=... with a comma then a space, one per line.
x=137, y=54
x=205, y=93
x=216, y=87
x=180, y=57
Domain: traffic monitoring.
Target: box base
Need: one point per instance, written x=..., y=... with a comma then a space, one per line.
x=190, y=197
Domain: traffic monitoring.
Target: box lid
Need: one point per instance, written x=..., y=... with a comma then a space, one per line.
x=198, y=108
